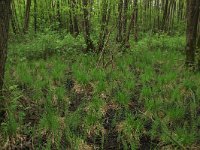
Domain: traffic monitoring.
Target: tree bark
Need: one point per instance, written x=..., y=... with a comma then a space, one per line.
x=58, y=15
x=5, y=12
x=119, y=24
x=86, y=22
x=14, y=19
x=133, y=23
x=27, y=15
x=136, y=20
x=104, y=25
x=71, y=27
x=75, y=20
x=198, y=47
x=124, y=20
x=191, y=32
x=165, y=14
x=130, y=26
x=35, y=16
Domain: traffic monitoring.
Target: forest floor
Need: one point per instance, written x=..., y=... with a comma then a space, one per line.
x=60, y=98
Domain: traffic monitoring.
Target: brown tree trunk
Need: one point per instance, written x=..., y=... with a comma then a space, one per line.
x=158, y=15
x=71, y=27
x=27, y=15
x=165, y=14
x=124, y=20
x=104, y=25
x=59, y=19
x=198, y=47
x=35, y=16
x=191, y=32
x=136, y=20
x=75, y=20
x=5, y=12
x=130, y=26
x=119, y=24
x=86, y=22
x=133, y=23
x=13, y=19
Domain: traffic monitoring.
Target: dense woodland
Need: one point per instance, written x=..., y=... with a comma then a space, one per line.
x=99, y=74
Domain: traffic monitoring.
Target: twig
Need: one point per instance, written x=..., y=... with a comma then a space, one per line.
x=104, y=47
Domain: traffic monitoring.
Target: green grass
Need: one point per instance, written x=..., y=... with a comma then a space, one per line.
x=60, y=98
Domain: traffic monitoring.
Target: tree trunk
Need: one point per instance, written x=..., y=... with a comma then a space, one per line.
x=14, y=19
x=124, y=20
x=27, y=15
x=71, y=27
x=5, y=11
x=165, y=14
x=119, y=24
x=104, y=25
x=198, y=47
x=191, y=32
x=86, y=22
x=158, y=14
x=133, y=23
x=58, y=14
x=35, y=16
x=136, y=20
x=75, y=20
x=130, y=26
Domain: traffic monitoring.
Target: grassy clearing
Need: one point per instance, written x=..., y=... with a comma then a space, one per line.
x=59, y=98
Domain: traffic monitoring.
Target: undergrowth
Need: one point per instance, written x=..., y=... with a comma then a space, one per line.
x=60, y=98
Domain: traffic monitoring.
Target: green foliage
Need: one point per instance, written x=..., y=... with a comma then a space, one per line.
x=12, y=125
x=144, y=94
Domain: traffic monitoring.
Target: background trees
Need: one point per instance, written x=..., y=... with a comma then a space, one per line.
x=155, y=15
x=90, y=18
x=130, y=19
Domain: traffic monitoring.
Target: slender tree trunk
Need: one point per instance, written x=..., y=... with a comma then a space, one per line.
x=136, y=20
x=165, y=14
x=158, y=15
x=198, y=47
x=119, y=24
x=104, y=25
x=145, y=15
x=75, y=20
x=132, y=24
x=71, y=27
x=124, y=20
x=27, y=15
x=150, y=14
x=35, y=16
x=192, y=22
x=4, y=28
x=86, y=22
x=13, y=23
x=14, y=19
